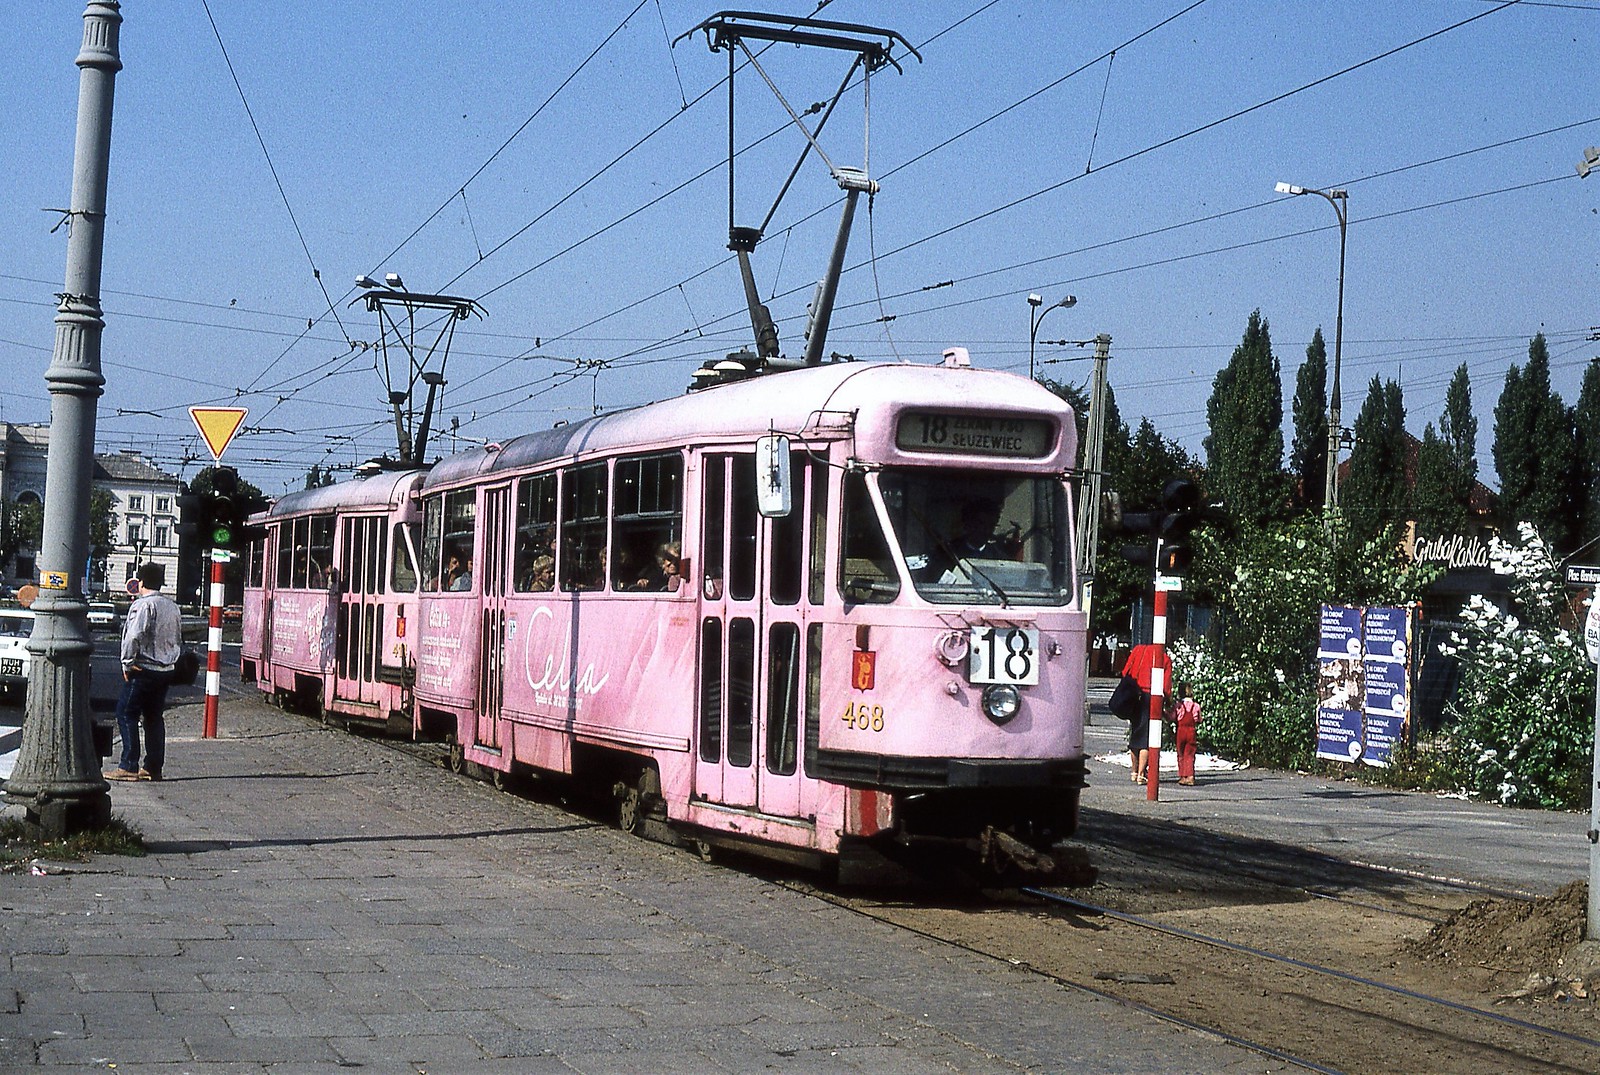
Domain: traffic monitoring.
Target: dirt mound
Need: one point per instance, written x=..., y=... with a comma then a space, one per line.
x=1513, y=936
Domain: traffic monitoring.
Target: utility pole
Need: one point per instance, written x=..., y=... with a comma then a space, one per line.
x=1094, y=454
x=57, y=774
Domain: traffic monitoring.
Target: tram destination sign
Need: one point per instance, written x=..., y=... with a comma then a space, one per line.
x=960, y=433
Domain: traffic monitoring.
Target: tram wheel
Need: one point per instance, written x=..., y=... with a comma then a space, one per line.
x=500, y=779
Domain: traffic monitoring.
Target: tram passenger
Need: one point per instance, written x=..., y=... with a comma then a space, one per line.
x=463, y=577
x=540, y=576
x=664, y=575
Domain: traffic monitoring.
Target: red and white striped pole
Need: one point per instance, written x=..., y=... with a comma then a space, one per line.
x=1158, y=693
x=219, y=557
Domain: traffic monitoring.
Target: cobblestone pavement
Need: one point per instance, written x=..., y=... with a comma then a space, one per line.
x=313, y=901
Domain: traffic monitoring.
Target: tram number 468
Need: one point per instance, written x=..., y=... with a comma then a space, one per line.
x=1003, y=655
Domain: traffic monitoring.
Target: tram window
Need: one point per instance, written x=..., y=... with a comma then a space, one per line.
x=715, y=517
x=783, y=697
x=284, y=532
x=741, y=690
x=647, y=523
x=744, y=519
x=256, y=572
x=711, y=690
x=867, y=569
x=813, y=692
x=787, y=549
x=299, y=552
x=533, y=566
x=321, y=549
x=460, y=521
x=432, y=540
x=818, y=513
x=405, y=538
x=582, y=564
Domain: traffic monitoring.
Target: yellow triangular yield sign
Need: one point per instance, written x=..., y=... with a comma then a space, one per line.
x=217, y=425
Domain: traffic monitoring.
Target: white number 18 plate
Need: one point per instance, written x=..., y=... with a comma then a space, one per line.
x=1004, y=655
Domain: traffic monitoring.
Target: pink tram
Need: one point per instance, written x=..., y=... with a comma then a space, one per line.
x=815, y=613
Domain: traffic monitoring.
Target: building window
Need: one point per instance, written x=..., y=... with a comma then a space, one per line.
x=135, y=502
x=163, y=536
x=135, y=533
x=164, y=505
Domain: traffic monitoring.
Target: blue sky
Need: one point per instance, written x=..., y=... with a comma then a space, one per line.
x=1019, y=156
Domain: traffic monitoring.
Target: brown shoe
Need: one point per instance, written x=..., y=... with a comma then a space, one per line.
x=120, y=774
x=146, y=774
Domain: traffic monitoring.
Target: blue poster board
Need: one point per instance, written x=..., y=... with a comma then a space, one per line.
x=1341, y=687
x=1386, y=651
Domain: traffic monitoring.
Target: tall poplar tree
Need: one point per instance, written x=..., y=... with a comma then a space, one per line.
x=1534, y=449
x=1447, y=464
x=1375, y=495
x=1244, y=449
x=1586, y=471
x=1308, y=459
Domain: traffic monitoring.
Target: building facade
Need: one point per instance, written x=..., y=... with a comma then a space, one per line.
x=144, y=510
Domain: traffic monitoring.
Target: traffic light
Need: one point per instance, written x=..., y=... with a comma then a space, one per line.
x=222, y=518
x=248, y=504
x=1181, y=498
x=1166, y=544
x=193, y=523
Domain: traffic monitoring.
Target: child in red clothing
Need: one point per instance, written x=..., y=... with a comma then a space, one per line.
x=1187, y=715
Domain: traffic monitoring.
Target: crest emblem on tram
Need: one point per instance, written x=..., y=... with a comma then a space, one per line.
x=864, y=670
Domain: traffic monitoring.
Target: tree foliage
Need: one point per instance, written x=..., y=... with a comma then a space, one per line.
x=1534, y=449
x=1258, y=683
x=1524, y=711
x=1244, y=448
x=1308, y=457
x=1374, y=496
x=1586, y=464
x=1447, y=464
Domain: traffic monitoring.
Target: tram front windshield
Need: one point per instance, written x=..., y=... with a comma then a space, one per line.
x=981, y=537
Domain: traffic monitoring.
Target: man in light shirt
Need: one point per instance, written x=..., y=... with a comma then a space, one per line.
x=151, y=643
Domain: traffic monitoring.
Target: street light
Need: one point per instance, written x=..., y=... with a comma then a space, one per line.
x=1036, y=315
x=1340, y=200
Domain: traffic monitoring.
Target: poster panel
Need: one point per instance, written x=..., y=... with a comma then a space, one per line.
x=1386, y=634
x=1341, y=686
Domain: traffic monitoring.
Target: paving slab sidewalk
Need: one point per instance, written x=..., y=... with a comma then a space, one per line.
x=317, y=901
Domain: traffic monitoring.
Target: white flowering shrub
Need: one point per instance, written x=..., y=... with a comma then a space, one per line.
x=1524, y=708
x=1258, y=686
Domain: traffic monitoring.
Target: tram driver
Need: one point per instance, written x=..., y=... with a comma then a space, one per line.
x=975, y=539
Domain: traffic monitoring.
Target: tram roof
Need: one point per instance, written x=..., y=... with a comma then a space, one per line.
x=788, y=402
x=385, y=489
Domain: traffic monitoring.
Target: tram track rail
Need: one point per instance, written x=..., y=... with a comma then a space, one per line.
x=1292, y=1010
x=1313, y=1029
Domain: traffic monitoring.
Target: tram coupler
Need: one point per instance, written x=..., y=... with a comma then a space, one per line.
x=1003, y=855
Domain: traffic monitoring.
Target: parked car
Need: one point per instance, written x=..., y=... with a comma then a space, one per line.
x=16, y=663
x=102, y=614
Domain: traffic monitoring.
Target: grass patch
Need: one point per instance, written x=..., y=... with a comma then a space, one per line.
x=21, y=844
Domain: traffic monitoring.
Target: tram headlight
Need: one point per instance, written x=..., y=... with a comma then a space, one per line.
x=1001, y=702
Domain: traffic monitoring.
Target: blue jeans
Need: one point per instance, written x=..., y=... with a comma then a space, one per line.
x=143, y=699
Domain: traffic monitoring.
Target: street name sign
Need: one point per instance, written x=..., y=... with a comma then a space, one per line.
x=1581, y=575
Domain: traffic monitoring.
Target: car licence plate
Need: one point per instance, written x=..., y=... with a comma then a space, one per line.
x=10, y=666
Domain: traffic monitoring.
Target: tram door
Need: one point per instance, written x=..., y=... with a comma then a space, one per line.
x=750, y=671
x=359, y=640
x=490, y=572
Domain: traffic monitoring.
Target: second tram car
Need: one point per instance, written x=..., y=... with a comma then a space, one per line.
x=894, y=664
